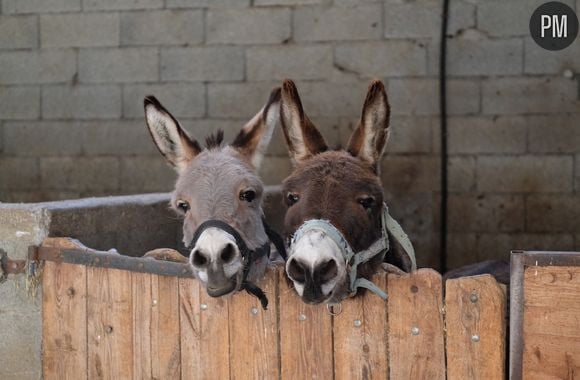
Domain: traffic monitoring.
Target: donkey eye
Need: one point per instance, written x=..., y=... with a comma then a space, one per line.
x=366, y=202
x=247, y=195
x=183, y=206
x=292, y=198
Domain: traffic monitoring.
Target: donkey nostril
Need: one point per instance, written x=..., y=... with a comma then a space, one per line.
x=296, y=272
x=228, y=253
x=198, y=259
x=327, y=271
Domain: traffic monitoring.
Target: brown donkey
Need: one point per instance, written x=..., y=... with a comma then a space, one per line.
x=336, y=216
x=219, y=195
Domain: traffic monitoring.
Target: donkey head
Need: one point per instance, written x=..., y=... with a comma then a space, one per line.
x=342, y=187
x=218, y=183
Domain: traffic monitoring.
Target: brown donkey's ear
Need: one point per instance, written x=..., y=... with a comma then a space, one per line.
x=302, y=137
x=171, y=140
x=369, y=139
x=253, y=139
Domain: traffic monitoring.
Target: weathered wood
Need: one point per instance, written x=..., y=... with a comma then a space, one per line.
x=64, y=323
x=204, y=333
x=142, y=309
x=475, y=309
x=165, y=340
x=305, y=337
x=551, y=332
x=109, y=323
x=416, y=343
x=254, y=333
x=360, y=336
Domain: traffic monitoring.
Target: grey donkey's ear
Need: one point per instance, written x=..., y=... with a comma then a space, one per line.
x=369, y=139
x=302, y=137
x=253, y=139
x=171, y=140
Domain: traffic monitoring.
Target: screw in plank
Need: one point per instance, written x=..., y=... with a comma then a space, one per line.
x=301, y=317
x=415, y=330
x=475, y=338
x=254, y=310
x=473, y=298
x=357, y=323
x=109, y=329
x=154, y=302
x=203, y=306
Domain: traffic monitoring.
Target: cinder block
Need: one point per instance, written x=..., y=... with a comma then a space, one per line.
x=199, y=129
x=410, y=174
x=486, y=213
x=498, y=246
x=410, y=134
x=529, y=95
x=553, y=213
x=81, y=102
x=19, y=103
x=251, y=26
x=541, y=61
x=420, y=96
x=18, y=173
x=79, y=30
x=289, y=61
x=461, y=249
x=426, y=18
x=473, y=135
x=40, y=6
x=146, y=174
x=20, y=337
x=577, y=174
x=34, y=138
x=224, y=99
x=182, y=100
x=333, y=99
x=275, y=169
x=118, y=65
x=202, y=64
x=477, y=55
x=167, y=27
x=385, y=58
x=208, y=4
x=553, y=133
x=17, y=32
x=74, y=173
x=35, y=196
x=337, y=24
x=526, y=174
x=461, y=173
x=37, y=67
x=92, y=5
x=116, y=138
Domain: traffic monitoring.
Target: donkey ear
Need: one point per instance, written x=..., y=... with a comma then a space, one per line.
x=253, y=139
x=171, y=140
x=302, y=137
x=369, y=139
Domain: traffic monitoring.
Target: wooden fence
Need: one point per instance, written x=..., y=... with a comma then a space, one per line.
x=117, y=324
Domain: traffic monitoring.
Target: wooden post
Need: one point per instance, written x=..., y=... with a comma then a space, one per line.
x=475, y=316
x=142, y=310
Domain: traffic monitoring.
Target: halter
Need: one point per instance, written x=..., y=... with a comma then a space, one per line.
x=353, y=259
x=249, y=256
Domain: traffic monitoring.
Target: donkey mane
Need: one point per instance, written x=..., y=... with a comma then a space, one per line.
x=214, y=140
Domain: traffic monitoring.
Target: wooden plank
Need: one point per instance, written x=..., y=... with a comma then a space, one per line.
x=142, y=310
x=254, y=333
x=109, y=323
x=305, y=336
x=416, y=343
x=204, y=333
x=165, y=340
x=475, y=312
x=64, y=321
x=551, y=328
x=360, y=336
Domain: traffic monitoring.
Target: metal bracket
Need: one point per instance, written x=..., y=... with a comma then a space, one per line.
x=8, y=266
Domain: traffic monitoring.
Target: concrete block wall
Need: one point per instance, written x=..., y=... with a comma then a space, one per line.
x=73, y=74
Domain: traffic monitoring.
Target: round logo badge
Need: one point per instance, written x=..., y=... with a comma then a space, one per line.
x=554, y=25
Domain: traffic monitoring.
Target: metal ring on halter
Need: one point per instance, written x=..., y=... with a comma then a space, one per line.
x=331, y=307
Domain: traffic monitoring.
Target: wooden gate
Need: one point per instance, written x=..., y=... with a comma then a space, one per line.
x=100, y=322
